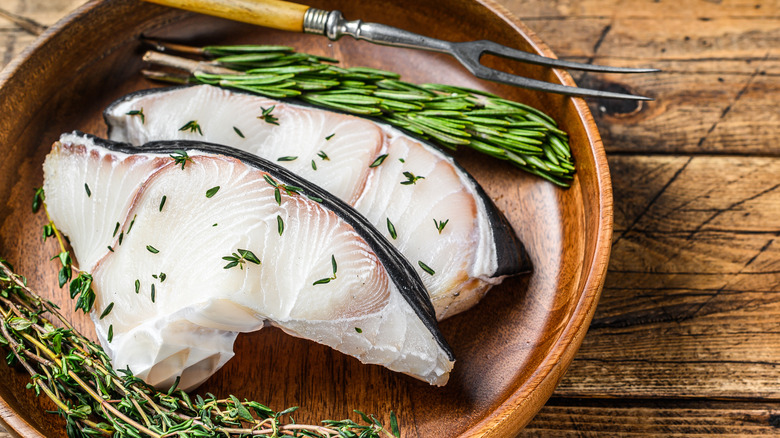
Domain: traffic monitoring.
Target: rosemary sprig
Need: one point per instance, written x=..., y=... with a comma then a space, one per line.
x=447, y=116
x=98, y=401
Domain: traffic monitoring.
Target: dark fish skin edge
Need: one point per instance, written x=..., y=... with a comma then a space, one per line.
x=399, y=269
x=510, y=253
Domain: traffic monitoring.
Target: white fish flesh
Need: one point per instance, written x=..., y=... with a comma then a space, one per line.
x=424, y=203
x=153, y=233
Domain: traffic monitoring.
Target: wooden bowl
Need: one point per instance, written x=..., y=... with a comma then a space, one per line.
x=512, y=348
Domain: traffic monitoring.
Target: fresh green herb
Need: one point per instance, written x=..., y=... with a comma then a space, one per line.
x=212, y=191
x=313, y=165
x=327, y=280
x=394, y=425
x=81, y=287
x=238, y=131
x=239, y=258
x=131, y=224
x=440, y=224
x=38, y=199
x=323, y=155
x=163, y=276
x=270, y=180
x=110, y=249
x=267, y=116
x=180, y=157
x=314, y=198
x=97, y=400
x=448, y=116
x=411, y=178
x=121, y=236
x=152, y=249
x=214, y=225
x=287, y=158
x=278, y=195
x=139, y=113
x=162, y=201
x=89, y=192
x=108, y=310
x=379, y=160
x=330, y=136
x=402, y=160
x=154, y=292
x=137, y=286
x=191, y=126
x=358, y=329
x=279, y=224
x=116, y=228
x=426, y=268
x=391, y=229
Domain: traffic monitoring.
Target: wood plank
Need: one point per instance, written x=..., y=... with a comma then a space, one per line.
x=693, y=283
x=559, y=9
x=720, y=67
x=702, y=418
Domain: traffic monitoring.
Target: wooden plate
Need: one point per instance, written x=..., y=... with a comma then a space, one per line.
x=512, y=348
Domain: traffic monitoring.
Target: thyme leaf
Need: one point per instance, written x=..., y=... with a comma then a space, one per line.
x=334, y=267
x=180, y=157
x=267, y=116
x=139, y=114
x=378, y=161
x=440, y=224
x=191, y=126
x=391, y=229
x=426, y=268
x=238, y=132
x=108, y=310
x=287, y=158
x=239, y=258
x=212, y=191
x=86, y=188
x=411, y=178
x=38, y=198
x=152, y=249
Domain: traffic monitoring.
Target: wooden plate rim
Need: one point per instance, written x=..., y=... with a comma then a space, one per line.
x=510, y=417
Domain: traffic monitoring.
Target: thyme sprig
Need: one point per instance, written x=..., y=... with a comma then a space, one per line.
x=96, y=400
x=448, y=116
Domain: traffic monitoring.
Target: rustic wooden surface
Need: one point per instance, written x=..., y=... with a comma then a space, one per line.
x=686, y=339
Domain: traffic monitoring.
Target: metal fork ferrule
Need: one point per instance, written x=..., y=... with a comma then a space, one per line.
x=314, y=21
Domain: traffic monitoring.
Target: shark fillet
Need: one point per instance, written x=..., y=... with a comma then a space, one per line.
x=418, y=197
x=193, y=243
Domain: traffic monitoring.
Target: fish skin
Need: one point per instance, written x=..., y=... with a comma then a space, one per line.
x=197, y=358
x=489, y=250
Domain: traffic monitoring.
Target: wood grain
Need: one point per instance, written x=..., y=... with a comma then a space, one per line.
x=626, y=417
x=690, y=307
x=720, y=62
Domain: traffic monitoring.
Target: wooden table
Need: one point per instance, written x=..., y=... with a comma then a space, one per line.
x=686, y=339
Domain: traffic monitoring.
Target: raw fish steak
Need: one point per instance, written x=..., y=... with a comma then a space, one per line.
x=419, y=198
x=194, y=243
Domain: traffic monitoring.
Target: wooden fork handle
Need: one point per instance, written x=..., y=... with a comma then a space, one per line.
x=276, y=14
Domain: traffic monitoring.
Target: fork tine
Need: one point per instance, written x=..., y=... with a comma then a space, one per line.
x=533, y=84
x=485, y=46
